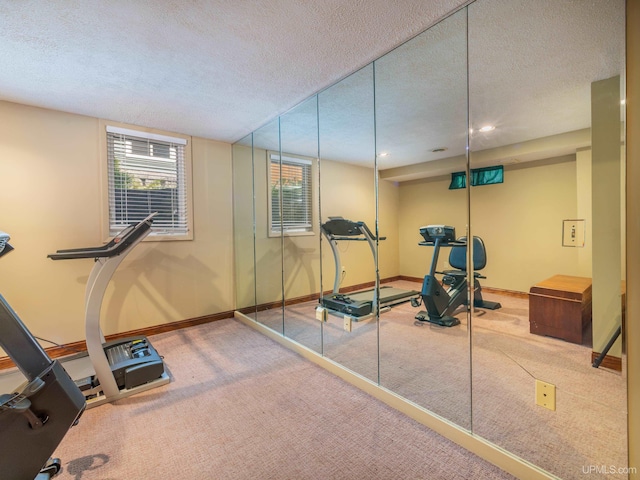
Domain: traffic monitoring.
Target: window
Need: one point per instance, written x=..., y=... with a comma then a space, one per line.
x=147, y=173
x=289, y=180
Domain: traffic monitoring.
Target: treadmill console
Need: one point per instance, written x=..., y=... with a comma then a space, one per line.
x=445, y=233
x=340, y=227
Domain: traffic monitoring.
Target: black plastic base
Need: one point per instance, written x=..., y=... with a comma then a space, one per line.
x=487, y=304
x=445, y=321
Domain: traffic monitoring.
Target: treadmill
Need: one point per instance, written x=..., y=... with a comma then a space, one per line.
x=360, y=305
x=34, y=416
x=123, y=367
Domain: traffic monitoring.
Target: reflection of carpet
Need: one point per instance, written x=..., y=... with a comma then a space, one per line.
x=430, y=366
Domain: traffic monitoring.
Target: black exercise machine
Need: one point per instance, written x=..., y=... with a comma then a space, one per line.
x=362, y=305
x=440, y=303
x=35, y=416
x=122, y=367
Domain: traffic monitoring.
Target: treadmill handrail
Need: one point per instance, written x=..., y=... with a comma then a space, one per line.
x=120, y=243
x=349, y=239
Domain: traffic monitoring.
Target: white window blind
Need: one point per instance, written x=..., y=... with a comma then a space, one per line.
x=146, y=174
x=290, y=181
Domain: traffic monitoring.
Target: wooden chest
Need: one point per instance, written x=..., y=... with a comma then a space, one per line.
x=560, y=307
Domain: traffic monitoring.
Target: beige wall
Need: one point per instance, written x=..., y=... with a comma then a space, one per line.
x=519, y=220
x=51, y=197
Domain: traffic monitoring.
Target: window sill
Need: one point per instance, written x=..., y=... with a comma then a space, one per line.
x=168, y=237
x=300, y=233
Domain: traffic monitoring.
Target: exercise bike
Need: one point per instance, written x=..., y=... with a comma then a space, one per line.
x=440, y=303
x=35, y=416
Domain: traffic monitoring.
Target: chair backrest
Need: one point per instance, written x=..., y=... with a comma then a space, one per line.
x=458, y=255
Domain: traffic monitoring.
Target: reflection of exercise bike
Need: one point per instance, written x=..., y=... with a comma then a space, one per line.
x=440, y=303
x=35, y=416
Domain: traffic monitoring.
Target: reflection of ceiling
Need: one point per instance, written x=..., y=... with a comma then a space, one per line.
x=211, y=68
x=530, y=71
x=221, y=69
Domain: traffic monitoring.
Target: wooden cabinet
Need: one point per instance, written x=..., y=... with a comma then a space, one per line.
x=560, y=307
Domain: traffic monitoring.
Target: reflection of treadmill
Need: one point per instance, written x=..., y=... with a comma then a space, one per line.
x=123, y=367
x=35, y=416
x=358, y=305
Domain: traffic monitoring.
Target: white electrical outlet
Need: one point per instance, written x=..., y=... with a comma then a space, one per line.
x=348, y=322
x=321, y=314
x=545, y=395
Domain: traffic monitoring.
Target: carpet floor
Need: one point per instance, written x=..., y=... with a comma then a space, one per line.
x=240, y=406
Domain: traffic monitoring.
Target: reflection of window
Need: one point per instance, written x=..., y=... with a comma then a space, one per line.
x=289, y=181
x=147, y=173
x=479, y=176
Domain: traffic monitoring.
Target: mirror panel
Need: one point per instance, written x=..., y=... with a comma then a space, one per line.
x=554, y=100
x=269, y=240
x=243, y=226
x=421, y=127
x=552, y=230
x=300, y=197
x=347, y=151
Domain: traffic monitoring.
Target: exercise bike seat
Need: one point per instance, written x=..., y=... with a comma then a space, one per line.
x=458, y=258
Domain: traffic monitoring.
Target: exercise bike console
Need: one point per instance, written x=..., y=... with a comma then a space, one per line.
x=443, y=233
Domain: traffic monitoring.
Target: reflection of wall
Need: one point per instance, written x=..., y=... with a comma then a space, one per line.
x=633, y=229
x=520, y=222
x=427, y=202
x=605, y=162
x=268, y=249
x=389, y=225
x=50, y=192
x=583, y=183
x=243, y=226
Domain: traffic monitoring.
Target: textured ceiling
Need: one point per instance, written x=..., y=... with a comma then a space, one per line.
x=216, y=69
x=221, y=69
x=530, y=68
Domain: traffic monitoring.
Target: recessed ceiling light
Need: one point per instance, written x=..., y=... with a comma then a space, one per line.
x=383, y=154
x=439, y=149
x=487, y=128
